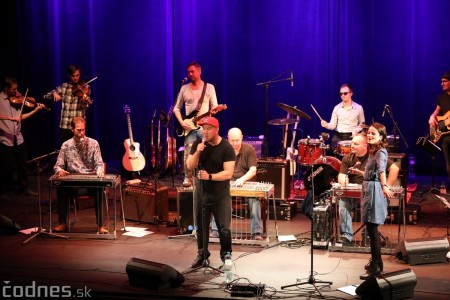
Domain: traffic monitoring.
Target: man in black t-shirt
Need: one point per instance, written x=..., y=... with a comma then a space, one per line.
x=442, y=108
x=214, y=159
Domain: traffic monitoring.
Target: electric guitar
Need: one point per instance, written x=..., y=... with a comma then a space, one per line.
x=152, y=139
x=133, y=160
x=192, y=119
x=441, y=129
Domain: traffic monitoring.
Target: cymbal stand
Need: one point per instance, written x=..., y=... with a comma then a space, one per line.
x=266, y=85
x=311, y=280
x=40, y=230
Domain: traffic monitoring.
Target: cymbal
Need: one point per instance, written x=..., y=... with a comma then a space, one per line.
x=283, y=121
x=294, y=111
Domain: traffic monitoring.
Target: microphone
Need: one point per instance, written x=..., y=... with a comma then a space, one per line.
x=184, y=80
x=384, y=110
x=292, y=79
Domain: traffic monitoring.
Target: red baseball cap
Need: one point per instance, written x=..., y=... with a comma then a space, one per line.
x=210, y=121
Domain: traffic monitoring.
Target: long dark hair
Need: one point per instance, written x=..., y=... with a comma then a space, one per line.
x=383, y=133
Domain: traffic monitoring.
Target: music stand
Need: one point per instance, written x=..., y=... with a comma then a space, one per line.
x=433, y=150
x=311, y=280
x=40, y=230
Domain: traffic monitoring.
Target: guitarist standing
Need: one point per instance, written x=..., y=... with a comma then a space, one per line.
x=198, y=97
x=439, y=119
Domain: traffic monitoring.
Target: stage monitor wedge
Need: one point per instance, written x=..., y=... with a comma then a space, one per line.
x=423, y=251
x=152, y=275
x=389, y=286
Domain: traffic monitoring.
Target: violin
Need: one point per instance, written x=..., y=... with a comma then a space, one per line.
x=82, y=91
x=30, y=102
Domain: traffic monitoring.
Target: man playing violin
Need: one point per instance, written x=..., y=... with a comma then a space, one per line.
x=75, y=97
x=13, y=148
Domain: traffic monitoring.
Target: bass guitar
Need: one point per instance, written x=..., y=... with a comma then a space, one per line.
x=192, y=119
x=133, y=160
x=441, y=129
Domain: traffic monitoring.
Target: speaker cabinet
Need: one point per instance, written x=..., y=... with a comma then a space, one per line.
x=185, y=209
x=142, y=204
x=277, y=172
x=395, y=285
x=152, y=275
x=323, y=226
x=423, y=251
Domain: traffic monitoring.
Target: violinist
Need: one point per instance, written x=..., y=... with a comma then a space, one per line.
x=75, y=97
x=12, y=144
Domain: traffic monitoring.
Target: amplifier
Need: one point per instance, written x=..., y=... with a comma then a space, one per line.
x=423, y=251
x=323, y=224
x=256, y=142
x=400, y=159
x=277, y=172
x=185, y=209
x=286, y=211
x=140, y=203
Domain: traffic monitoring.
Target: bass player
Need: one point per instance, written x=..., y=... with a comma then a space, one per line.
x=440, y=119
x=198, y=98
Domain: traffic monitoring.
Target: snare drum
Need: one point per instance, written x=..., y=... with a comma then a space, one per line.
x=344, y=147
x=304, y=146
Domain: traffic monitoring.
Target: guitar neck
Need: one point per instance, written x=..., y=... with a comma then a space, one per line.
x=130, y=132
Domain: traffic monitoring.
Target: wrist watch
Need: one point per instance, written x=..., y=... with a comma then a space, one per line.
x=210, y=176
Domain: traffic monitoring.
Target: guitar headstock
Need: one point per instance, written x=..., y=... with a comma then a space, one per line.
x=126, y=109
x=219, y=107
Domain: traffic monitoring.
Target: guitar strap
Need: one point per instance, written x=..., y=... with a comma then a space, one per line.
x=200, y=101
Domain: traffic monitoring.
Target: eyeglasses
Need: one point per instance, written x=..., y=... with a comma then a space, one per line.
x=344, y=93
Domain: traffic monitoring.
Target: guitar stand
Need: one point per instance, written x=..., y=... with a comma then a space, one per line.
x=41, y=231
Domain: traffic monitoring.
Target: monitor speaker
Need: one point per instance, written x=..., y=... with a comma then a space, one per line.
x=395, y=285
x=423, y=251
x=152, y=275
x=185, y=209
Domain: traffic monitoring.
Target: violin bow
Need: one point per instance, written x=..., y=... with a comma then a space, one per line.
x=23, y=103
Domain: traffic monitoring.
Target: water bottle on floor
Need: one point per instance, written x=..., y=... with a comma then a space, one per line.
x=227, y=268
x=443, y=189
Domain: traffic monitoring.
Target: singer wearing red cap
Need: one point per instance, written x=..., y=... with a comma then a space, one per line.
x=213, y=158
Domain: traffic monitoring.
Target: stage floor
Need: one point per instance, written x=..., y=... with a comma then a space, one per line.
x=98, y=266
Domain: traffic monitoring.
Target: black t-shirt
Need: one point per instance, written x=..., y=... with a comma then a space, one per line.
x=211, y=160
x=350, y=160
x=443, y=101
x=245, y=159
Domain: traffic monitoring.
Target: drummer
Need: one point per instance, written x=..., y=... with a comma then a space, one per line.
x=352, y=171
x=346, y=117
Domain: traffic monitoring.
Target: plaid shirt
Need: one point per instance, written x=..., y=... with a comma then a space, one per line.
x=71, y=106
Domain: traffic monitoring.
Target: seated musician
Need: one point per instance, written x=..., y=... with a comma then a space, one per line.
x=352, y=171
x=245, y=170
x=79, y=155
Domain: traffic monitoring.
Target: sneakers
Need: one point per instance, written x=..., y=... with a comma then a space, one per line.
x=60, y=228
x=103, y=230
x=198, y=262
x=346, y=241
x=258, y=237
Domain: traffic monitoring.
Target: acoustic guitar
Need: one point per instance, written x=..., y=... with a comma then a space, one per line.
x=171, y=144
x=132, y=160
x=192, y=119
x=441, y=129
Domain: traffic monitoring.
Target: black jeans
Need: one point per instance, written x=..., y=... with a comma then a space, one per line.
x=221, y=209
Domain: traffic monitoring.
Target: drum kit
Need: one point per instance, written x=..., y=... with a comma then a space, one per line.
x=312, y=152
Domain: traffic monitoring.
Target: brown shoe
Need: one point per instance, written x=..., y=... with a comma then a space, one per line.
x=103, y=230
x=60, y=228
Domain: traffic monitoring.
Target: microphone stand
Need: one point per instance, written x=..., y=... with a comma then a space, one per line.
x=396, y=128
x=40, y=230
x=311, y=280
x=266, y=85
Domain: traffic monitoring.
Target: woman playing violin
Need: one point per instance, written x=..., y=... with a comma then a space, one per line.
x=12, y=144
x=75, y=97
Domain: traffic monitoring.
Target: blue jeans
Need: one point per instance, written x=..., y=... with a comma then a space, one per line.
x=346, y=206
x=256, y=224
x=188, y=141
